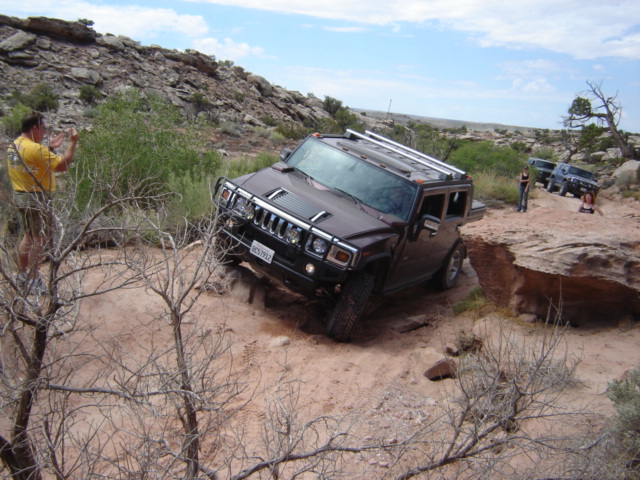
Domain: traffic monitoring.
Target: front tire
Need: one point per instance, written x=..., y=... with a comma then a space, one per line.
x=447, y=276
x=550, y=186
x=564, y=189
x=350, y=305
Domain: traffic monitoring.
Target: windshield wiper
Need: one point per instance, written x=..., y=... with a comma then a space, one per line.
x=352, y=197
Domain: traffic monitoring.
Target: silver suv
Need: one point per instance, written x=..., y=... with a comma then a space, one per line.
x=570, y=179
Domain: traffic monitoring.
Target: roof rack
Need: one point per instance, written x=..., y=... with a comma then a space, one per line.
x=419, y=157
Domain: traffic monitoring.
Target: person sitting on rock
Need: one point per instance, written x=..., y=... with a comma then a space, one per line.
x=589, y=204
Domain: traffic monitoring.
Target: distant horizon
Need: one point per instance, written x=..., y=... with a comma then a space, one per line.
x=489, y=126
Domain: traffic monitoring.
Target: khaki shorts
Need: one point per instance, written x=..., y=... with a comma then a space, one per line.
x=35, y=212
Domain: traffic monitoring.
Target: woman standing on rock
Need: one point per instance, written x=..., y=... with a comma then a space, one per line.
x=589, y=204
x=524, y=189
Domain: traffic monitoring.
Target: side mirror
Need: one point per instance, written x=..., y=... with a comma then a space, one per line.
x=285, y=153
x=430, y=223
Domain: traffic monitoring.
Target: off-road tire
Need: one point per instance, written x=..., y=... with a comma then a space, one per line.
x=447, y=276
x=350, y=305
x=564, y=189
x=550, y=186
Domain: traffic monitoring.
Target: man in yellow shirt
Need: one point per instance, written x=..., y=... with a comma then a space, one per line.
x=32, y=168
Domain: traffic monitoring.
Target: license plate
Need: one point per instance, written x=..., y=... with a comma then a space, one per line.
x=262, y=252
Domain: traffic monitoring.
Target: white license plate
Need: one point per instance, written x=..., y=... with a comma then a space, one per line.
x=262, y=252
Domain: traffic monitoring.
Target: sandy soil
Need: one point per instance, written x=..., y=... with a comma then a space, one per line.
x=379, y=374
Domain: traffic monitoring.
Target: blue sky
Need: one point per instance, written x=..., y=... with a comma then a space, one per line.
x=515, y=63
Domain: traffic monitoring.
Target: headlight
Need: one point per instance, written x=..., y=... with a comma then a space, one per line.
x=319, y=245
x=244, y=208
x=293, y=235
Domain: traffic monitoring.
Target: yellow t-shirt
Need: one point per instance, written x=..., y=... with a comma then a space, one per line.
x=32, y=166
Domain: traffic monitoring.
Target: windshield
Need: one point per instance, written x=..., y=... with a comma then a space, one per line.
x=368, y=184
x=581, y=173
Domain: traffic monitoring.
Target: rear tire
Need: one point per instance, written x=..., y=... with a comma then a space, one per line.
x=350, y=306
x=447, y=276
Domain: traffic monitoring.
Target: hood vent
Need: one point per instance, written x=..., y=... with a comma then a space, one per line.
x=297, y=205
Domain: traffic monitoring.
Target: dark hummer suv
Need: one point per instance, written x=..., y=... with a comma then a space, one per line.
x=346, y=216
x=570, y=179
x=544, y=168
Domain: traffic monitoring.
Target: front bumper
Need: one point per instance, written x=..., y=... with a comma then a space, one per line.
x=290, y=265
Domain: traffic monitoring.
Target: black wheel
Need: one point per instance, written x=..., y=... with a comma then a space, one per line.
x=350, y=305
x=564, y=189
x=550, y=186
x=447, y=276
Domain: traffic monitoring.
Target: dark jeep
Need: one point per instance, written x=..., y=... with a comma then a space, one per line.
x=346, y=216
x=544, y=168
x=570, y=179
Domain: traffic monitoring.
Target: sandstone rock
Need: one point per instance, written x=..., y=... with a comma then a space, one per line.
x=54, y=27
x=18, y=41
x=584, y=267
x=445, y=368
x=263, y=86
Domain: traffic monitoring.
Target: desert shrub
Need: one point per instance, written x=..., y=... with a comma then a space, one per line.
x=546, y=153
x=200, y=102
x=294, y=131
x=488, y=185
x=41, y=98
x=276, y=137
x=12, y=123
x=475, y=300
x=485, y=156
x=625, y=395
x=90, y=94
x=238, y=96
x=248, y=165
x=138, y=146
x=269, y=121
x=231, y=129
x=331, y=105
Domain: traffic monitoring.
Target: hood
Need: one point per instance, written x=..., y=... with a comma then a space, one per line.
x=327, y=209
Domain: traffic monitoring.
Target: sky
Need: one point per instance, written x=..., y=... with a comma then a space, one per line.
x=498, y=61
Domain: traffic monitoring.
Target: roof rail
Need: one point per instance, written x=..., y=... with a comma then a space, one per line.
x=419, y=157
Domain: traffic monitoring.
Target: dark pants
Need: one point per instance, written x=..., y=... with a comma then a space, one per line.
x=522, y=201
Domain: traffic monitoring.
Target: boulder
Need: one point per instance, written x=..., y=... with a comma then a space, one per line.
x=17, y=42
x=559, y=264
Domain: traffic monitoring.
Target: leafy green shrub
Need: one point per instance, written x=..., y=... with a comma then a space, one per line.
x=276, y=137
x=625, y=395
x=546, y=153
x=269, y=121
x=331, y=105
x=294, y=131
x=12, y=124
x=90, y=94
x=248, y=165
x=489, y=186
x=138, y=146
x=485, y=156
x=200, y=102
x=41, y=98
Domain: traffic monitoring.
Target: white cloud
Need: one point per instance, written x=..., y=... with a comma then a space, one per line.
x=346, y=29
x=227, y=49
x=582, y=28
x=141, y=23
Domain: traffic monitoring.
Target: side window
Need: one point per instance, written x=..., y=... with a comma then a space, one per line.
x=457, y=204
x=432, y=205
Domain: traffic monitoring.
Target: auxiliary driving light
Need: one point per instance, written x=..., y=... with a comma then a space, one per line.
x=310, y=268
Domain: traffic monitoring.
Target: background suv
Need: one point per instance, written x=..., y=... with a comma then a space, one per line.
x=571, y=179
x=544, y=168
